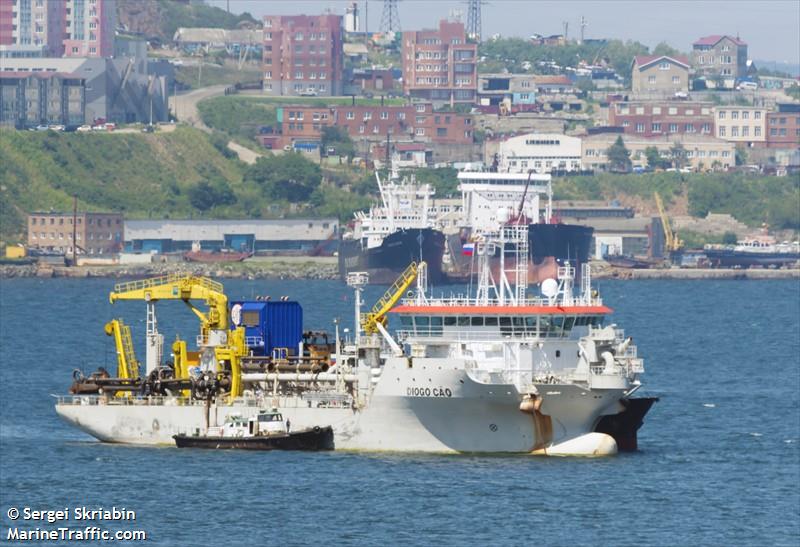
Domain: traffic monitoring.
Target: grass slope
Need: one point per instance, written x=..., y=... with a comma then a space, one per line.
x=140, y=175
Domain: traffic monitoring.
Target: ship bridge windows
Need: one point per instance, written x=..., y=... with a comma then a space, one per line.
x=546, y=326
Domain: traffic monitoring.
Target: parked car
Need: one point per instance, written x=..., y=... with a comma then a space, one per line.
x=148, y=129
x=84, y=128
x=57, y=127
x=747, y=86
x=310, y=92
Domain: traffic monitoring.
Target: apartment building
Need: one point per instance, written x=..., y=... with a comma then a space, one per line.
x=440, y=65
x=90, y=27
x=701, y=151
x=95, y=233
x=741, y=124
x=720, y=56
x=302, y=55
x=301, y=126
x=666, y=117
x=783, y=126
x=32, y=27
x=660, y=75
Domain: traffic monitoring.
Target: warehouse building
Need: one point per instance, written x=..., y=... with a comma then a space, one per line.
x=285, y=236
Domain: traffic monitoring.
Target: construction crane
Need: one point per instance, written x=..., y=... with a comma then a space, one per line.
x=378, y=314
x=672, y=242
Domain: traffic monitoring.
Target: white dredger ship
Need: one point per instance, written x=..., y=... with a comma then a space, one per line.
x=497, y=371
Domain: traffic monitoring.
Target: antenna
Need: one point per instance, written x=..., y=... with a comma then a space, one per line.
x=390, y=19
x=566, y=30
x=474, y=19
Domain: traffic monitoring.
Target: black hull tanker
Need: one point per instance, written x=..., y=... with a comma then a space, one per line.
x=388, y=260
x=550, y=246
x=317, y=438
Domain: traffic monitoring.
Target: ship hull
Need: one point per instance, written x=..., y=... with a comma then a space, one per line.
x=721, y=258
x=387, y=261
x=434, y=407
x=549, y=246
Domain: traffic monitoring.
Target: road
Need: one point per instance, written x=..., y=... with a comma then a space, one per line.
x=185, y=106
x=185, y=109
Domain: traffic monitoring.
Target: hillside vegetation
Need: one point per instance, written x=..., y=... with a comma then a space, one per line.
x=751, y=199
x=183, y=174
x=140, y=175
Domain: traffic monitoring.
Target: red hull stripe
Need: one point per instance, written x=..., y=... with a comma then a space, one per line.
x=503, y=310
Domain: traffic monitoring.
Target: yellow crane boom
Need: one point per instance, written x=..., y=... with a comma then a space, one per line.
x=180, y=287
x=672, y=242
x=127, y=365
x=382, y=307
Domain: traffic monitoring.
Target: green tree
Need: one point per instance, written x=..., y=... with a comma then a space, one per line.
x=678, y=154
x=664, y=48
x=654, y=160
x=619, y=157
x=741, y=155
x=729, y=238
x=793, y=92
x=205, y=195
x=289, y=177
x=338, y=138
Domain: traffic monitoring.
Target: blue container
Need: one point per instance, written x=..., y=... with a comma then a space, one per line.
x=269, y=324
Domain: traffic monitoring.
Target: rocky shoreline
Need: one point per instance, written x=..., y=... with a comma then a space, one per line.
x=275, y=270
x=329, y=271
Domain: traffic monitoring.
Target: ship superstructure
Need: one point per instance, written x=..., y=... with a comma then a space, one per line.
x=497, y=370
x=399, y=230
x=492, y=198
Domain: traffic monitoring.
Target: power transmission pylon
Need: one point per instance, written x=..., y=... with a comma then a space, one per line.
x=474, y=19
x=390, y=19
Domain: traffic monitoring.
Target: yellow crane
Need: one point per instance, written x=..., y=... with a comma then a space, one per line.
x=671, y=241
x=127, y=365
x=370, y=320
x=226, y=347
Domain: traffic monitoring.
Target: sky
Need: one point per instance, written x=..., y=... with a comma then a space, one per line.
x=771, y=28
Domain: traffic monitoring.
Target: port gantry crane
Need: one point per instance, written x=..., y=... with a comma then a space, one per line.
x=218, y=347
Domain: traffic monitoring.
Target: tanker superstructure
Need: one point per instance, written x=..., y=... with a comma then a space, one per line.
x=493, y=198
x=495, y=371
x=397, y=231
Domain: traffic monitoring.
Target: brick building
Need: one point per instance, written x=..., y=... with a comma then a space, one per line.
x=720, y=56
x=95, y=233
x=654, y=118
x=303, y=55
x=369, y=123
x=440, y=65
x=660, y=74
x=741, y=124
x=783, y=126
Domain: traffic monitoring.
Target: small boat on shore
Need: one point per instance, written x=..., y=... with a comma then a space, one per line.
x=265, y=431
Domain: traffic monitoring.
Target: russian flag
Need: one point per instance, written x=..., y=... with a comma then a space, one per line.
x=467, y=249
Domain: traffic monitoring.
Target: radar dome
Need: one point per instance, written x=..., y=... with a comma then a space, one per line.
x=550, y=287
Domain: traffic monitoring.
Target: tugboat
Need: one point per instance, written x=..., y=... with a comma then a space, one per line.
x=265, y=431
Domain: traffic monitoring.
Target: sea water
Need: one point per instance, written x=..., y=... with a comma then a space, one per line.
x=719, y=458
